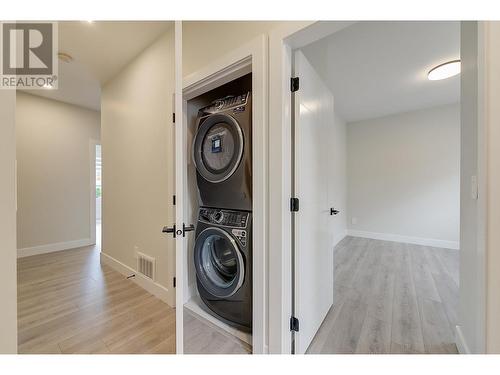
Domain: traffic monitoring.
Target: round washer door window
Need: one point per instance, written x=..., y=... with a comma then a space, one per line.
x=218, y=263
x=218, y=148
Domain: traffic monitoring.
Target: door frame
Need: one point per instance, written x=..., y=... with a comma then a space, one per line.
x=282, y=42
x=92, y=145
x=246, y=58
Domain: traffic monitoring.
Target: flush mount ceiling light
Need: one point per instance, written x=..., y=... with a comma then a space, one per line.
x=65, y=57
x=445, y=70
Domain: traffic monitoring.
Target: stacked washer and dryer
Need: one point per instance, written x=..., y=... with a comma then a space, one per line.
x=222, y=154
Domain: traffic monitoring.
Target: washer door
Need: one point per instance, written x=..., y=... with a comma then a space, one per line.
x=218, y=148
x=218, y=263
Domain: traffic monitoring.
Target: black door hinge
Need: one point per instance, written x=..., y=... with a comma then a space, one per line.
x=294, y=204
x=173, y=117
x=173, y=200
x=175, y=282
x=294, y=84
x=294, y=324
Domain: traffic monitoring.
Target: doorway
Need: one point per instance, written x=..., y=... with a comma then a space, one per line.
x=193, y=337
x=98, y=195
x=410, y=242
x=64, y=130
x=95, y=173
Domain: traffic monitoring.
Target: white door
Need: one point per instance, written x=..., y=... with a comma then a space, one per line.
x=313, y=237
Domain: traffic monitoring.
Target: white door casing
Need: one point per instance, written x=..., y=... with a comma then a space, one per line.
x=180, y=191
x=313, y=236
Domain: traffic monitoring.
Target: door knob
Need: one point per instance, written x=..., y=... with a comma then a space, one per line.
x=333, y=211
x=170, y=230
x=185, y=229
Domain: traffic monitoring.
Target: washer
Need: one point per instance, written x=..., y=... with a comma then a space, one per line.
x=223, y=264
x=222, y=153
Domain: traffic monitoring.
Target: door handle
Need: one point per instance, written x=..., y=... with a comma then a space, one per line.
x=333, y=211
x=185, y=229
x=170, y=230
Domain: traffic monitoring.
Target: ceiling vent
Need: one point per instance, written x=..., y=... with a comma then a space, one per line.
x=146, y=265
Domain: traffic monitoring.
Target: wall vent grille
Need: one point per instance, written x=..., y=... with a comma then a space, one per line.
x=146, y=265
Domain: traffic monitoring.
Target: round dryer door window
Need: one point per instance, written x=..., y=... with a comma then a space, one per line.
x=218, y=263
x=218, y=147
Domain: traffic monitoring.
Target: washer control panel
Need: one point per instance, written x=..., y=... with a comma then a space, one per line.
x=227, y=218
x=237, y=102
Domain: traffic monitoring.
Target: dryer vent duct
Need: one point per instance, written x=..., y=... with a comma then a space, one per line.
x=146, y=265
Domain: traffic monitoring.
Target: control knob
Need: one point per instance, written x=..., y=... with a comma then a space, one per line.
x=219, y=104
x=218, y=217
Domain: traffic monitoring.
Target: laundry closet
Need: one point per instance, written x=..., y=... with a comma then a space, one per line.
x=219, y=175
x=220, y=212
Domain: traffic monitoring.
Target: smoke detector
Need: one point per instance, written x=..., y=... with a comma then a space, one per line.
x=64, y=57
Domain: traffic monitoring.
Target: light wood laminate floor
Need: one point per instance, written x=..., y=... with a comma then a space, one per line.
x=391, y=298
x=68, y=302
x=202, y=337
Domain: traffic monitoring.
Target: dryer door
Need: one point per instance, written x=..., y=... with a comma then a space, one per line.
x=218, y=147
x=218, y=262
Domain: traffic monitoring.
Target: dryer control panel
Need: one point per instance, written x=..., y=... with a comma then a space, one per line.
x=225, y=218
x=237, y=102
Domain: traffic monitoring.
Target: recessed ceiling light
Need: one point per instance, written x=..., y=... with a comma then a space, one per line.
x=445, y=70
x=65, y=57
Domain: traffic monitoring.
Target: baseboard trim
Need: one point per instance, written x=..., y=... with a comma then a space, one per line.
x=149, y=285
x=405, y=239
x=336, y=240
x=53, y=247
x=199, y=309
x=462, y=346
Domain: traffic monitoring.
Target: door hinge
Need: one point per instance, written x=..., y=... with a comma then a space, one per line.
x=294, y=324
x=173, y=117
x=294, y=204
x=175, y=282
x=173, y=200
x=294, y=84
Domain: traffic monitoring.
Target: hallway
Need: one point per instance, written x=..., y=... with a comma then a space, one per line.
x=68, y=302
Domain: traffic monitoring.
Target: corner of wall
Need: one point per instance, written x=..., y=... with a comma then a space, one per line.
x=462, y=346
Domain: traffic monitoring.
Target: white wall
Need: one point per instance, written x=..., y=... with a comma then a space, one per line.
x=404, y=177
x=8, y=277
x=206, y=41
x=53, y=158
x=138, y=162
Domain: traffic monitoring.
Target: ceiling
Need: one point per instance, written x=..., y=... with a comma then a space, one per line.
x=100, y=50
x=379, y=68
